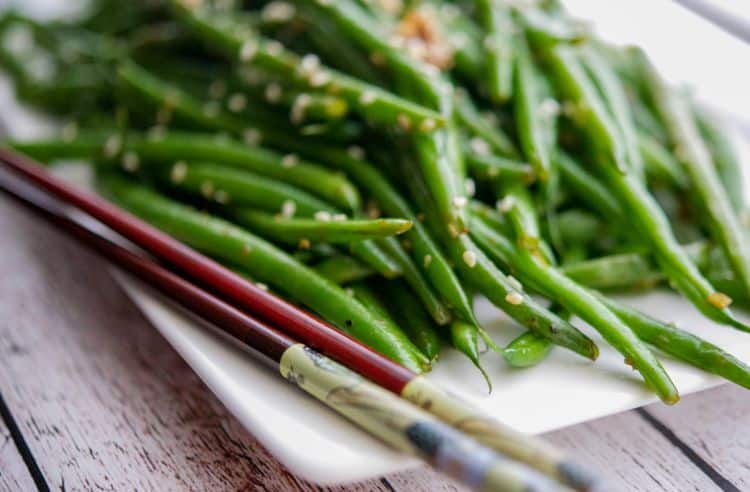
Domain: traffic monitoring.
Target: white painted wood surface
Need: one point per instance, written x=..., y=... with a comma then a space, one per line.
x=104, y=403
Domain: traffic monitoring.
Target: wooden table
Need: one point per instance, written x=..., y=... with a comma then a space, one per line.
x=92, y=398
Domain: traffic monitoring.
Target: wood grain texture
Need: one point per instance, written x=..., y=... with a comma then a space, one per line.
x=716, y=426
x=13, y=472
x=105, y=403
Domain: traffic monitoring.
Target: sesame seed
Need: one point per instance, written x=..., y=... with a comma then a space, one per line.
x=179, y=172
x=278, y=11
x=322, y=216
x=338, y=217
x=288, y=208
x=368, y=97
x=719, y=300
x=453, y=231
x=248, y=50
x=217, y=89
x=513, y=281
x=221, y=196
x=427, y=260
x=377, y=58
x=304, y=244
x=297, y=112
x=112, y=146
x=289, y=160
x=470, y=258
x=309, y=63
x=349, y=291
x=549, y=108
x=404, y=122
x=207, y=189
x=427, y=125
x=237, y=102
x=130, y=161
x=319, y=78
x=480, y=146
x=356, y=152
x=506, y=204
x=261, y=286
x=514, y=298
x=251, y=136
x=460, y=201
x=273, y=92
x=470, y=186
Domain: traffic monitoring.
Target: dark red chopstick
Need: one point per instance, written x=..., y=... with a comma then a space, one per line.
x=225, y=284
x=252, y=333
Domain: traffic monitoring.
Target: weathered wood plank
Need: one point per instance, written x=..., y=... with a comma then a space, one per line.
x=102, y=399
x=13, y=472
x=716, y=426
x=635, y=457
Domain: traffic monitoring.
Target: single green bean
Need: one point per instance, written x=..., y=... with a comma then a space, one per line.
x=499, y=50
x=239, y=188
x=464, y=339
x=266, y=263
x=417, y=281
x=535, y=114
x=467, y=115
x=527, y=350
x=414, y=320
x=342, y=269
x=322, y=229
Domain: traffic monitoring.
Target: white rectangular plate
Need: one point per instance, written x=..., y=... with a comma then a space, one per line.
x=318, y=445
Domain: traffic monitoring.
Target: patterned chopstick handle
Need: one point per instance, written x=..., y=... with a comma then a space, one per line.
x=495, y=435
x=405, y=426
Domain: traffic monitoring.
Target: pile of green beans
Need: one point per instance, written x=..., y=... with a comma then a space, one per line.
x=382, y=163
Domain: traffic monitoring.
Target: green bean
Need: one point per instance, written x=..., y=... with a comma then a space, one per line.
x=464, y=339
x=535, y=114
x=235, y=187
x=527, y=350
x=289, y=168
x=581, y=302
x=492, y=135
x=682, y=345
x=266, y=263
x=613, y=95
x=479, y=271
x=652, y=226
x=372, y=102
x=660, y=164
x=626, y=270
x=497, y=22
x=495, y=169
x=416, y=280
x=587, y=188
x=426, y=254
x=322, y=229
x=725, y=158
x=372, y=255
x=545, y=29
x=342, y=269
x=414, y=320
x=588, y=111
x=709, y=191
x=579, y=227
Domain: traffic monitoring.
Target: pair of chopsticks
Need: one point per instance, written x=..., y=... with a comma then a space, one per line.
x=392, y=403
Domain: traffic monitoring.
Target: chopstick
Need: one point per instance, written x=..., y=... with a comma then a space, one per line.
x=392, y=419
x=313, y=332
